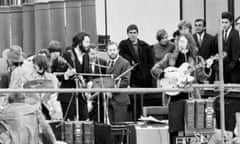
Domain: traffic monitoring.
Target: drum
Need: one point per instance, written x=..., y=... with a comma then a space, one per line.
x=38, y=84
x=88, y=128
x=35, y=98
x=78, y=132
x=68, y=132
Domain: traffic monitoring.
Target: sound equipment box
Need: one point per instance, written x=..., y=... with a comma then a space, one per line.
x=199, y=116
x=111, y=134
x=148, y=134
x=191, y=116
x=74, y=132
x=102, y=133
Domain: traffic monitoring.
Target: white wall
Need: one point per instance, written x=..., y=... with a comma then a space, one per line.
x=214, y=8
x=149, y=15
x=237, y=8
x=193, y=9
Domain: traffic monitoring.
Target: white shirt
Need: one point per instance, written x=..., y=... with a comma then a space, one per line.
x=79, y=55
x=113, y=60
x=200, y=37
x=228, y=32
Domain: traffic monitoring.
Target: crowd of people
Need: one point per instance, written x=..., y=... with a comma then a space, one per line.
x=132, y=63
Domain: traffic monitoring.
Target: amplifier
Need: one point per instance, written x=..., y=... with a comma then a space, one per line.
x=111, y=134
x=79, y=132
x=199, y=116
x=102, y=133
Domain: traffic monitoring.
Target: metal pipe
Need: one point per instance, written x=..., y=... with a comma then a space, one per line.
x=114, y=90
x=106, y=24
x=221, y=82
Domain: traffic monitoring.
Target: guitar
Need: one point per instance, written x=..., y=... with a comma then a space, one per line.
x=180, y=77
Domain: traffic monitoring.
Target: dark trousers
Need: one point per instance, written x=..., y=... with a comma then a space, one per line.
x=232, y=105
x=117, y=113
x=69, y=109
x=176, y=115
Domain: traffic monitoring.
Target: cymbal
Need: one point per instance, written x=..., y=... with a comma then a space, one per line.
x=38, y=84
x=105, y=82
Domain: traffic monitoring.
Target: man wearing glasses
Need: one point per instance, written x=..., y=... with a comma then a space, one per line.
x=203, y=40
x=237, y=24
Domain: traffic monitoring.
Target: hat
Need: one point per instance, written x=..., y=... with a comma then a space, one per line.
x=15, y=54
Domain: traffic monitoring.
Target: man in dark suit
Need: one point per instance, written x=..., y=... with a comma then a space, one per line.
x=231, y=65
x=231, y=46
x=118, y=101
x=77, y=61
x=204, y=42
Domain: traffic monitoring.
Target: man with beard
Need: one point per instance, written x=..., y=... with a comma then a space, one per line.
x=120, y=101
x=77, y=61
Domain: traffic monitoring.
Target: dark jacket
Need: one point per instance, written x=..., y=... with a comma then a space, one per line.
x=140, y=76
x=72, y=60
x=231, y=62
x=206, y=49
x=5, y=80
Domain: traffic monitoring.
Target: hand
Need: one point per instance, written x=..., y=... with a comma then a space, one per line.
x=90, y=106
x=132, y=62
x=69, y=73
x=56, y=115
x=55, y=110
x=209, y=63
x=109, y=94
x=90, y=84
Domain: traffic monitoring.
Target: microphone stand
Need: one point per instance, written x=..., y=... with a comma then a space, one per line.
x=77, y=86
x=80, y=83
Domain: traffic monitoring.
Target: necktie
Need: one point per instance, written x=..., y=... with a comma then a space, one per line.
x=225, y=35
x=111, y=63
